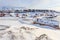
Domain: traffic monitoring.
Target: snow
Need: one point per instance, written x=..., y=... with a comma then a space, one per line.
x=26, y=32
x=24, y=29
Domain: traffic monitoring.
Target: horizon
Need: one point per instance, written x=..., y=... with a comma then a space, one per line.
x=10, y=7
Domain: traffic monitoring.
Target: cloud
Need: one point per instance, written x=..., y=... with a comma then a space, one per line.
x=56, y=8
x=36, y=4
x=25, y=3
x=40, y=4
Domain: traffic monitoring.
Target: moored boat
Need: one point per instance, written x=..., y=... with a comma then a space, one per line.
x=45, y=22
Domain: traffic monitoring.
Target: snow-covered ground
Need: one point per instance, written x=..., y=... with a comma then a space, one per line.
x=21, y=31
x=24, y=29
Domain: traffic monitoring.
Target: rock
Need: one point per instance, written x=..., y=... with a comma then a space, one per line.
x=43, y=37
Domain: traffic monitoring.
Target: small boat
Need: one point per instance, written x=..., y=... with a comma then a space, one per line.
x=2, y=14
x=50, y=15
x=45, y=22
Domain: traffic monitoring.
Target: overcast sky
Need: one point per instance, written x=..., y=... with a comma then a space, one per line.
x=36, y=4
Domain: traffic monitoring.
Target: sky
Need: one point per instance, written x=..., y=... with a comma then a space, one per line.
x=33, y=4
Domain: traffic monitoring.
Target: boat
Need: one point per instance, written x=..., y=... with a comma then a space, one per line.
x=46, y=22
